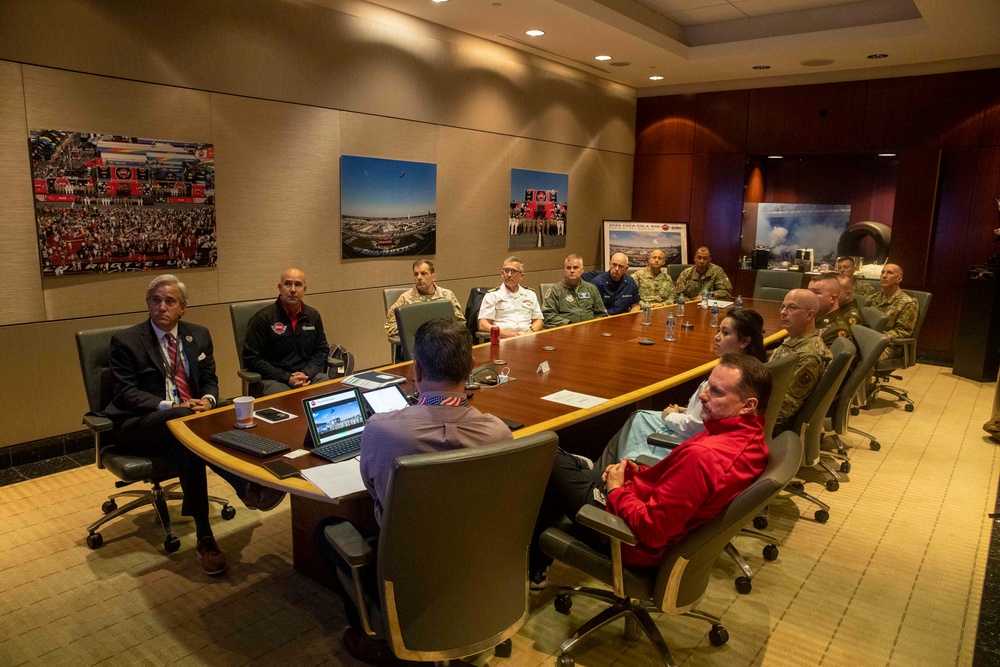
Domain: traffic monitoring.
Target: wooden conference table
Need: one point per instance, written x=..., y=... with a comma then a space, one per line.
x=586, y=359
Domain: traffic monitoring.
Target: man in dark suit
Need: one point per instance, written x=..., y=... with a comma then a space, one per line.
x=164, y=369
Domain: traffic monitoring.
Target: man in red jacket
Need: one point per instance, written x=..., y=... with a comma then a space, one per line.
x=701, y=476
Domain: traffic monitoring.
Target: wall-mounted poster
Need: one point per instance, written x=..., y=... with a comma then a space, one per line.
x=638, y=239
x=388, y=208
x=538, y=202
x=106, y=203
x=785, y=228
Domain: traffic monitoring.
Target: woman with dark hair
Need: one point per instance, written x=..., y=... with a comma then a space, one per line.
x=740, y=332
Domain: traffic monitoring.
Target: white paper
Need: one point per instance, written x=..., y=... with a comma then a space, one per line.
x=574, y=399
x=337, y=479
x=543, y=367
x=720, y=304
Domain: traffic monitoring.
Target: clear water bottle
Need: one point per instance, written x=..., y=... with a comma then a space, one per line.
x=739, y=302
x=714, y=322
x=646, y=314
x=668, y=335
x=704, y=299
x=680, y=305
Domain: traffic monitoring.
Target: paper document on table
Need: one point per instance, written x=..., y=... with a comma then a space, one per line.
x=337, y=479
x=574, y=399
x=719, y=304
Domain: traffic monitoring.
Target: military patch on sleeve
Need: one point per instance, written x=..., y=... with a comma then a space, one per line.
x=547, y=293
x=807, y=379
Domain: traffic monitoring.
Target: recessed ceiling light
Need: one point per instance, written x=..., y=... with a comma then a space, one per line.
x=602, y=57
x=887, y=155
x=534, y=33
x=656, y=77
x=775, y=157
x=878, y=56
x=762, y=67
x=439, y=0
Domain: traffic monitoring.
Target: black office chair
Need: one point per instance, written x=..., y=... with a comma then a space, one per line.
x=472, y=307
x=682, y=578
x=774, y=285
x=884, y=368
x=411, y=316
x=675, y=270
x=875, y=319
x=870, y=344
x=94, y=349
x=389, y=297
x=452, y=549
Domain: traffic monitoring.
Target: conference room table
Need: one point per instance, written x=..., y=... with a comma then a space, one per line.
x=603, y=358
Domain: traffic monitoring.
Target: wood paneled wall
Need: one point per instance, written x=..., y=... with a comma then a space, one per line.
x=700, y=157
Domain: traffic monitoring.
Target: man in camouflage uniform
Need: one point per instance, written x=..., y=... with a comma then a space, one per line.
x=798, y=318
x=424, y=289
x=830, y=320
x=900, y=308
x=572, y=300
x=847, y=267
x=655, y=286
x=848, y=304
x=703, y=275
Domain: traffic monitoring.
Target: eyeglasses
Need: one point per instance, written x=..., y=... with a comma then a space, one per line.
x=511, y=272
x=791, y=307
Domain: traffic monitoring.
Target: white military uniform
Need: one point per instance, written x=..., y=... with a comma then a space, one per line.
x=512, y=311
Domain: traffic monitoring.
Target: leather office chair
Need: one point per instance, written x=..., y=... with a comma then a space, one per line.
x=389, y=296
x=870, y=344
x=682, y=578
x=875, y=319
x=94, y=349
x=780, y=282
x=542, y=289
x=472, y=307
x=411, y=316
x=861, y=299
x=884, y=369
x=675, y=270
x=339, y=361
x=452, y=549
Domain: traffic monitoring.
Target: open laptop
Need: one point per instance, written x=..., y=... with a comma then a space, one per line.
x=336, y=421
x=386, y=399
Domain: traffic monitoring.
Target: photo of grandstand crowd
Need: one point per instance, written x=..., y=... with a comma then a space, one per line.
x=388, y=207
x=638, y=239
x=108, y=203
x=538, y=203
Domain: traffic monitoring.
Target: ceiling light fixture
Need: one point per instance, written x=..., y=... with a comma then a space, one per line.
x=775, y=157
x=602, y=58
x=878, y=56
x=762, y=67
x=534, y=33
x=439, y=0
x=887, y=155
x=656, y=77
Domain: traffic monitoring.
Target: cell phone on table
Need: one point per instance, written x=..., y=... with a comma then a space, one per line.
x=280, y=468
x=511, y=424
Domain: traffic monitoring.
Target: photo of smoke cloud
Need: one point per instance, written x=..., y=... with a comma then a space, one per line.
x=785, y=228
x=638, y=239
x=539, y=202
x=107, y=203
x=388, y=208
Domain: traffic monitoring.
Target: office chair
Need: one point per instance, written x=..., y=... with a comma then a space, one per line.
x=339, y=361
x=779, y=282
x=675, y=270
x=389, y=296
x=472, y=307
x=542, y=289
x=884, y=368
x=875, y=319
x=861, y=299
x=870, y=344
x=94, y=349
x=411, y=316
x=682, y=578
x=452, y=549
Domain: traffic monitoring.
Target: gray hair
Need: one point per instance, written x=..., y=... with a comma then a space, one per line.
x=512, y=260
x=165, y=281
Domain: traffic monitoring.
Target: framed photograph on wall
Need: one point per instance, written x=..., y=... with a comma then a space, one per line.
x=388, y=208
x=638, y=239
x=539, y=203
x=107, y=203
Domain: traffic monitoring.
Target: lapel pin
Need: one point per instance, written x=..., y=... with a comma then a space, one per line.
x=189, y=339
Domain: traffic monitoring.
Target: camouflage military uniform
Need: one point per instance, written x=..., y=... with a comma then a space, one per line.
x=813, y=359
x=901, y=311
x=654, y=289
x=863, y=287
x=563, y=304
x=715, y=279
x=413, y=296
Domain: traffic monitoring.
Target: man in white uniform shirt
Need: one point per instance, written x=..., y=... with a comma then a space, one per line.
x=511, y=307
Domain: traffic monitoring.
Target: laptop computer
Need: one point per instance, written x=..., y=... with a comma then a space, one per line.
x=336, y=421
x=386, y=399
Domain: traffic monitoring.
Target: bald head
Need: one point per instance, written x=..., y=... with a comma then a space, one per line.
x=618, y=266
x=798, y=312
x=846, y=290
x=291, y=289
x=827, y=290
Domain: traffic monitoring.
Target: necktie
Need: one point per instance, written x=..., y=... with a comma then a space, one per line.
x=177, y=367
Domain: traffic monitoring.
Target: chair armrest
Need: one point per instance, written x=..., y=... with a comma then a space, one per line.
x=660, y=440
x=248, y=376
x=606, y=523
x=482, y=336
x=97, y=423
x=349, y=544
x=223, y=402
x=393, y=340
x=646, y=460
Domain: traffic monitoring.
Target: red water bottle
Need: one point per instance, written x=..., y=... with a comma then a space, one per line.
x=494, y=335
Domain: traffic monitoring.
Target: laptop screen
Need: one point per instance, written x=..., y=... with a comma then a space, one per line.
x=334, y=416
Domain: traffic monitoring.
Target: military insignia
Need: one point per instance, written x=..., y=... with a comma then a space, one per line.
x=547, y=293
x=852, y=320
x=189, y=339
x=278, y=328
x=584, y=295
x=569, y=298
x=841, y=333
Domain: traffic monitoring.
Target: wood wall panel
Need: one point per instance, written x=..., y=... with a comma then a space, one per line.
x=665, y=124
x=946, y=110
x=722, y=122
x=662, y=189
x=913, y=218
x=937, y=336
x=991, y=119
x=717, y=206
x=951, y=230
x=827, y=118
x=985, y=217
x=887, y=105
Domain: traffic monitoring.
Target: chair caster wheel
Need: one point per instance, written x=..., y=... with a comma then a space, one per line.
x=822, y=516
x=565, y=661
x=760, y=522
x=743, y=586
x=95, y=541
x=109, y=506
x=718, y=636
x=855, y=412
x=908, y=407
x=228, y=512
x=503, y=649
x=845, y=466
x=796, y=486
x=171, y=544
x=563, y=603
x=874, y=445
x=770, y=552
x=832, y=485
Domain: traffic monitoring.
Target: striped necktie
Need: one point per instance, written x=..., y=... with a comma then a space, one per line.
x=177, y=369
